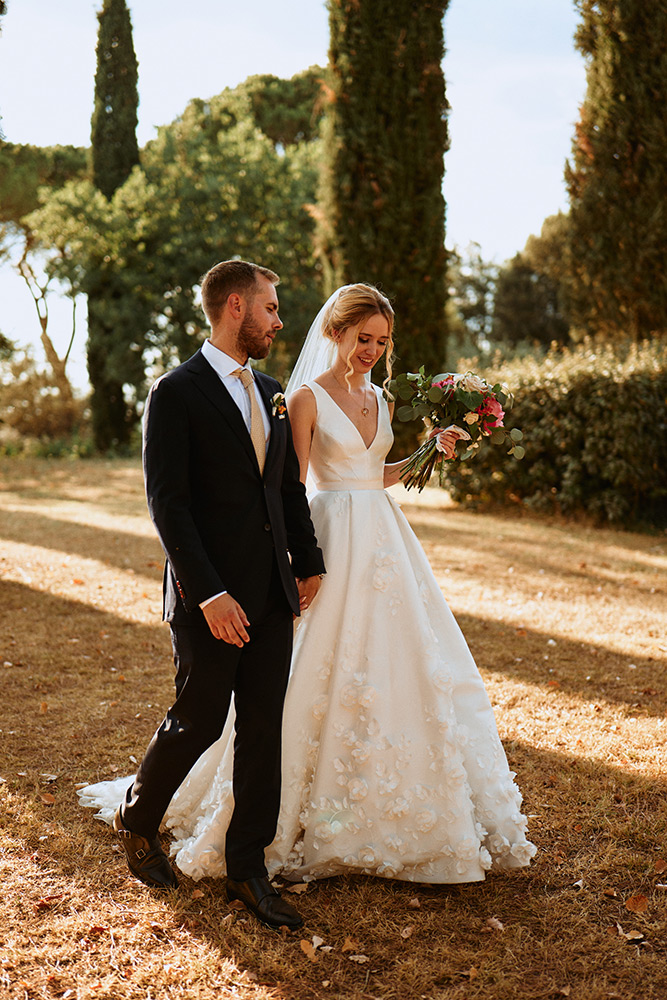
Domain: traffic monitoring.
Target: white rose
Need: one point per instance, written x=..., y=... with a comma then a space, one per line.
x=471, y=417
x=472, y=383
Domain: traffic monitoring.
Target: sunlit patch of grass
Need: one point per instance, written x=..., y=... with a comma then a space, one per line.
x=569, y=627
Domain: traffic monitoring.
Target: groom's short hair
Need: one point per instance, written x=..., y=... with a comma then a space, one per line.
x=231, y=276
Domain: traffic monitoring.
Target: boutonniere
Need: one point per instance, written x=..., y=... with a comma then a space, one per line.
x=278, y=407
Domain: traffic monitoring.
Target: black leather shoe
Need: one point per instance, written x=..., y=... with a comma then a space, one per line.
x=145, y=858
x=265, y=902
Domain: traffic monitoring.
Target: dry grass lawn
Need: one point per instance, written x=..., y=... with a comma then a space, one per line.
x=568, y=625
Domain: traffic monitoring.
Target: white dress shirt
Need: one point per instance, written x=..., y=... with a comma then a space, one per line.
x=223, y=366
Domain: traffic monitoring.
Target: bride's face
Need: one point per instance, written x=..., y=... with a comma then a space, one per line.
x=367, y=346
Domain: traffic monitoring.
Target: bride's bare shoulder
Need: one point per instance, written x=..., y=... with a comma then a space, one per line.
x=301, y=404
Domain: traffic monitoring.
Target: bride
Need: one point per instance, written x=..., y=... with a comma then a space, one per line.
x=392, y=764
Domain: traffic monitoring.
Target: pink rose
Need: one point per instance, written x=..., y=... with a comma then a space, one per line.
x=492, y=412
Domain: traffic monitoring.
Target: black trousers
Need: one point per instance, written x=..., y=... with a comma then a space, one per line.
x=208, y=672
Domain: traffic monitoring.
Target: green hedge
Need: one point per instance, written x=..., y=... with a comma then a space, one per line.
x=595, y=426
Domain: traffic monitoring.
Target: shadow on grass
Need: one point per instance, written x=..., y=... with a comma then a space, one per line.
x=598, y=830
x=595, y=823
x=116, y=548
x=520, y=543
x=590, y=671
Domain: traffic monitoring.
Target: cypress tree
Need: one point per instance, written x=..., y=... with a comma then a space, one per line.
x=114, y=121
x=618, y=175
x=385, y=135
x=114, y=153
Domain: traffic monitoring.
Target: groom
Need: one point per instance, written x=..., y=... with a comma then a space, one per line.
x=223, y=489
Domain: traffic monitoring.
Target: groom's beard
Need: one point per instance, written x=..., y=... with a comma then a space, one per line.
x=251, y=339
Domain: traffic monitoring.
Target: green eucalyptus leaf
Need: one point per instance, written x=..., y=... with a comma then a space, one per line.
x=518, y=451
x=435, y=394
x=516, y=434
x=405, y=413
x=497, y=435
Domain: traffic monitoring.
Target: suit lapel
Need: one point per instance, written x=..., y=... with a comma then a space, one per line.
x=277, y=425
x=208, y=382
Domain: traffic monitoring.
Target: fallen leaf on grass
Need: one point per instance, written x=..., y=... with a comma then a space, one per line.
x=236, y=904
x=359, y=958
x=407, y=932
x=47, y=798
x=46, y=902
x=565, y=991
x=43, y=708
x=414, y=903
x=298, y=889
x=635, y=936
x=660, y=866
x=637, y=904
x=470, y=973
x=349, y=945
x=317, y=941
x=196, y=894
x=495, y=924
x=611, y=893
x=308, y=950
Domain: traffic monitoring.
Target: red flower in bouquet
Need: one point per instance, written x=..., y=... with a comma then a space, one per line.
x=445, y=403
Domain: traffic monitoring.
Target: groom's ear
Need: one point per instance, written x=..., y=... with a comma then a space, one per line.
x=236, y=305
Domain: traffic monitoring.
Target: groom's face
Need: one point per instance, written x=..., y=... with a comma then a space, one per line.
x=261, y=321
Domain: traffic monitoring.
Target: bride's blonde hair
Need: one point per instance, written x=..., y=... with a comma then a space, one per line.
x=352, y=308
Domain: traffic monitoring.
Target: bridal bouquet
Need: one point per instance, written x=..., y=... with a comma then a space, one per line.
x=465, y=404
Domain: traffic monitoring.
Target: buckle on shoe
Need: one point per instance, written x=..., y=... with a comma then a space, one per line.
x=140, y=854
x=124, y=833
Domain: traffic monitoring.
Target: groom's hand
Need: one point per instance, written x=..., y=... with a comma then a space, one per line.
x=227, y=620
x=308, y=587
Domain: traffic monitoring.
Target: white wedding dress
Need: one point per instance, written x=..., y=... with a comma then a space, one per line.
x=392, y=764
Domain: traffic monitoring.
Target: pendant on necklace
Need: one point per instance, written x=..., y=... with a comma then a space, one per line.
x=364, y=411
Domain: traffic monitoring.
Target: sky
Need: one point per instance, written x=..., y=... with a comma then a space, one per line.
x=514, y=83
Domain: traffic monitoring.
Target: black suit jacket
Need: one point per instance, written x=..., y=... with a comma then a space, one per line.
x=218, y=519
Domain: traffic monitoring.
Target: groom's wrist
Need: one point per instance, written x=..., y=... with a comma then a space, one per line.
x=209, y=600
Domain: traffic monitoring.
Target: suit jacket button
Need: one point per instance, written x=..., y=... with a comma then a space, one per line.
x=267, y=527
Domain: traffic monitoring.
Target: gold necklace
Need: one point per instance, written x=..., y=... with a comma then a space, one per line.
x=364, y=409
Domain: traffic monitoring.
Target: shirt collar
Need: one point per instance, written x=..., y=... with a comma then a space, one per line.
x=221, y=362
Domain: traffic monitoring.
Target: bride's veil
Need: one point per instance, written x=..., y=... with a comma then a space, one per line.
x=317, y=353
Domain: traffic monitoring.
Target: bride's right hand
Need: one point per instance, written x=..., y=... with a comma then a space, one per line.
x=227, y=620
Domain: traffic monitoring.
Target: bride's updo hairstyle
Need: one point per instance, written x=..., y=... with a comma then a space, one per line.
x=351, y=309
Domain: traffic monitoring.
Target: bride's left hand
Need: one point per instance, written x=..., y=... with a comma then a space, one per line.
x=308, y=587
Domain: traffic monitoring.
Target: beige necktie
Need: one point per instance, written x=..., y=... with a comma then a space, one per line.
x=257, y=435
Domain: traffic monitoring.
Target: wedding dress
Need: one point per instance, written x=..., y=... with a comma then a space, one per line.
x=392, y=764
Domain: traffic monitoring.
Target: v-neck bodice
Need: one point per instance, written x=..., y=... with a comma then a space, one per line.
x=339, y=458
